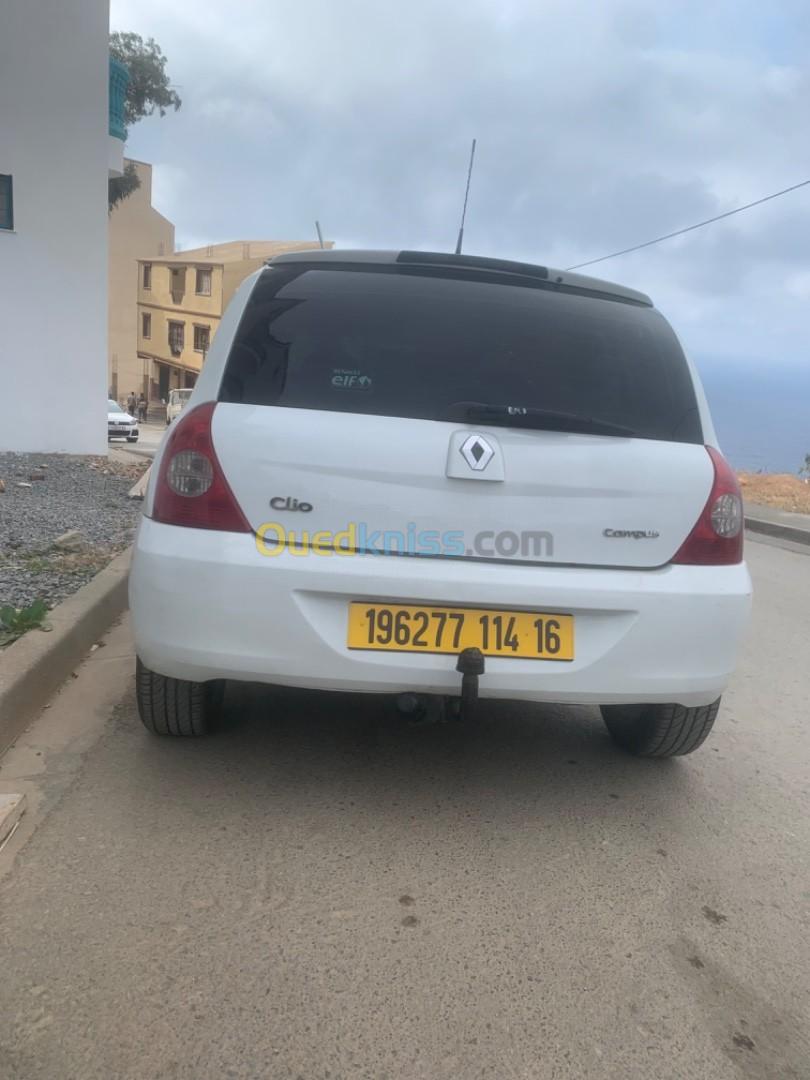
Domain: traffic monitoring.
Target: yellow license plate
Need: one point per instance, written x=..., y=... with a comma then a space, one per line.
x=532, y=635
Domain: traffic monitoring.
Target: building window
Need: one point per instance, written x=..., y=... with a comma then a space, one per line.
x=178, y=283
x=177, y=332
x=202, y=338
x=203, y=281
x=147, y=275
x=6, y=203
x=146, y=325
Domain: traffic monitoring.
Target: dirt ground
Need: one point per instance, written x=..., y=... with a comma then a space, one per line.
x=782, y=490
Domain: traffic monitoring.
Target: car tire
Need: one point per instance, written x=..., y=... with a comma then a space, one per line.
x=132, y=438
x=659, y=730
x=169, y=706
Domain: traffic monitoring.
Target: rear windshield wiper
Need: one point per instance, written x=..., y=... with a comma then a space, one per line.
x=521, y=416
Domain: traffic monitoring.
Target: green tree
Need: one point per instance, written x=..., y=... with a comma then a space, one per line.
x=149, y=91
x=121, y=187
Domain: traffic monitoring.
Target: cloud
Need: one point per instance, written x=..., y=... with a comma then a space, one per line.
x=599, y=126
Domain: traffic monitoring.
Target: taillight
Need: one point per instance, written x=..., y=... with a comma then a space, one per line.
x=717, y=538
x=191, y=487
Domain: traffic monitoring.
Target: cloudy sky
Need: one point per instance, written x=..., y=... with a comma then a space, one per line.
x=600, y=123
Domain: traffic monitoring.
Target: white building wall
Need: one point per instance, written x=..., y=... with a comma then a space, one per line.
x=53, y=267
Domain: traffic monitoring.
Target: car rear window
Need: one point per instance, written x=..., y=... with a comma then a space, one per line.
x=395, y=341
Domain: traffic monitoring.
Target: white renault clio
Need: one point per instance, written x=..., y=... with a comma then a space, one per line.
x=426, y=474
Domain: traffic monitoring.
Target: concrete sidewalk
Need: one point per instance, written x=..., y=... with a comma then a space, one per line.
x=781, y=523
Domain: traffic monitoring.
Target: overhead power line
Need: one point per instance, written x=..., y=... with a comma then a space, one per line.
x=691, y=228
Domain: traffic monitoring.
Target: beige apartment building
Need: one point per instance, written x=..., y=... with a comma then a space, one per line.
x=136, y=231
x=181, y=299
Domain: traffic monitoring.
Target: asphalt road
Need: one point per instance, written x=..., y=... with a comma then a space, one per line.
x=322, y=891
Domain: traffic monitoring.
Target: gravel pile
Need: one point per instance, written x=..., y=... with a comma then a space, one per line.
x=61, y=493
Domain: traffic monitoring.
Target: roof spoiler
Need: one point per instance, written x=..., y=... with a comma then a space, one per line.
x=475, y=262
x=564, y=279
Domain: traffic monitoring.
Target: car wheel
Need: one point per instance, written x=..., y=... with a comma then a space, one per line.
x=132, y=438
x=169, y=706
x=659, y=730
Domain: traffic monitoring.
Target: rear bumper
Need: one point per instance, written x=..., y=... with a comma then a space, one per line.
x=207, y=605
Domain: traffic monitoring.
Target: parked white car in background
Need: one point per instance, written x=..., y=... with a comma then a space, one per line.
x=178, y=399
x=401, y=470
x=120, y=425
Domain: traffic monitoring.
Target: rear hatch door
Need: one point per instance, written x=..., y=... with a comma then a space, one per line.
x=345, y=419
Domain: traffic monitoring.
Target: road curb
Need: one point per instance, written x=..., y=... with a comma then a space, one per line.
x=33, y=668
x=775, y=528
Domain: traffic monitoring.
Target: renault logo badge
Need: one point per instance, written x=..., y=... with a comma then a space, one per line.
x=477, y=452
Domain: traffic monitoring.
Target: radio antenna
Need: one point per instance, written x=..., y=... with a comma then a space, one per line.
x=320, y=234
x=466, y=197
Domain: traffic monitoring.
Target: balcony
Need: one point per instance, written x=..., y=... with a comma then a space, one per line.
x=119, y=80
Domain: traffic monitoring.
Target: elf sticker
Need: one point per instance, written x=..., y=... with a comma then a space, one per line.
x=344, y=379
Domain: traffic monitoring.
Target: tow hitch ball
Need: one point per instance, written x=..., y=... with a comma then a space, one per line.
x=471, y=664
x=421, y=708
